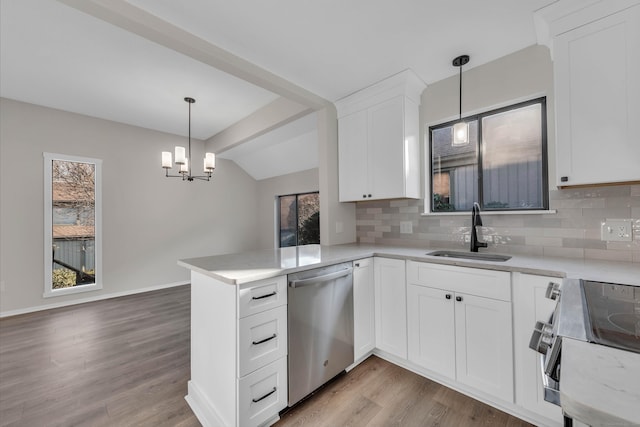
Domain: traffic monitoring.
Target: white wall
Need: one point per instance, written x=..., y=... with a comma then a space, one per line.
x=148, y=221
x=268, y=190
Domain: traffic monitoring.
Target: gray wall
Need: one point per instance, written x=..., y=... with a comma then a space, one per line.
x=268, y=190
x=148, y=221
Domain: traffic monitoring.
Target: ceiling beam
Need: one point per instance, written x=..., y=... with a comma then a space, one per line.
x=271, y=116
x=138, y=21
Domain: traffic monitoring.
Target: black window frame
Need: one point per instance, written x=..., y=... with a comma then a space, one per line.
x=479, y=150
x=279, y=223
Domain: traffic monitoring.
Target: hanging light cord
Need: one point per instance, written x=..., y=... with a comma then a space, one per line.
x=459, y=99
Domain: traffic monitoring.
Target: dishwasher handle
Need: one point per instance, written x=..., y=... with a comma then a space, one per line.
x=297, y=283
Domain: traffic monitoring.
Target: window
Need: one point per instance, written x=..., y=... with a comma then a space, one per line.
x=503, y=167
x=72, y=206
x=299, y=219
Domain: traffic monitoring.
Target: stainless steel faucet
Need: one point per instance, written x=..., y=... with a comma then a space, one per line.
x=476, y=221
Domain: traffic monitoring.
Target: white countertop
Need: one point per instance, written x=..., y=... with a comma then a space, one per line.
x=599, y=385
x=262, y=264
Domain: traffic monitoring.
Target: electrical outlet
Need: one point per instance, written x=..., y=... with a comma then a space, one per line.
x=406, y=227
x=617, y=292
x=616, y=230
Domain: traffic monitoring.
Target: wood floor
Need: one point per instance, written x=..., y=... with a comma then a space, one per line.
x=379, y=393
x=125, y=362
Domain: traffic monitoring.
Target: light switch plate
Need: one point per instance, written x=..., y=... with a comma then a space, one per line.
x=406, y=227
x=616, y=230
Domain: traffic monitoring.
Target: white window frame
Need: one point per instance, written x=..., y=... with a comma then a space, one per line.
x=48, y=226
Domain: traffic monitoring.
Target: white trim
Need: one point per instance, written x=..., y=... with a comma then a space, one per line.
x=90, y=299
x=48, y=224
x=202, y=408
x=484, y=213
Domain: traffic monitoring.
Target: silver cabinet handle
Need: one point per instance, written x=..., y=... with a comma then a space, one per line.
x=265, y=396
x=320, y=279
x=265, y=296
x=264, y=340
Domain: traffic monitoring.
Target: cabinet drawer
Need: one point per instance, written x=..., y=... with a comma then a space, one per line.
x=262, y=339
x=263, y=393
x=262, y=295
x=473, y=281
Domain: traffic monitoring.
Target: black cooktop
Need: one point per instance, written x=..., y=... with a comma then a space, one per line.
x=613, y=314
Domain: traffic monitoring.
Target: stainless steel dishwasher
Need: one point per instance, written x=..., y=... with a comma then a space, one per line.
x=320, y=317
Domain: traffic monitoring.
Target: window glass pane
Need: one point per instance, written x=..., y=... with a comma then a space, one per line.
x=455, y=170
x=73, y=223
x=308, y=219
x=288, y=221
x=512, y=159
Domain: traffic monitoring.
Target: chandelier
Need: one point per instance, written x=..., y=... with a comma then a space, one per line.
x=185, y=162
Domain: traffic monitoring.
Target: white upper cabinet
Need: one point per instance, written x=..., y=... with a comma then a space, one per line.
x=597, y=89
x=378, y=140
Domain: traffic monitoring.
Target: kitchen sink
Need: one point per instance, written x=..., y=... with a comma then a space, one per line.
x=471, y=255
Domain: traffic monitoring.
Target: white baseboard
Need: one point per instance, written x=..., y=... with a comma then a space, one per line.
x=201, y=407
x=89, y=299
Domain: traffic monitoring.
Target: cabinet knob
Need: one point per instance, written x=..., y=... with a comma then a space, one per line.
x=369, y=196
x=564, y=179
x=364, y=196
x=357, y=264
x=448, y=296
x=458, y=298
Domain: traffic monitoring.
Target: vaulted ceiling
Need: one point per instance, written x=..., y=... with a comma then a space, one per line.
x=133, y=62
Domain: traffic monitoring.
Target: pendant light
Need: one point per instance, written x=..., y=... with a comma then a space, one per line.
x=460, y=129
x=185, y=162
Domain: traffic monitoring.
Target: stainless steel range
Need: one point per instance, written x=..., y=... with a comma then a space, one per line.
x=596, y=312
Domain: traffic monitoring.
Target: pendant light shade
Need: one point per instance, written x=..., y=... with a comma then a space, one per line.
x=460, y=129
x=183, y=159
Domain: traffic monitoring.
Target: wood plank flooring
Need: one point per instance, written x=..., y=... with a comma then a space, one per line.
x=125, y=362
x=118, y=362
x=378, y=393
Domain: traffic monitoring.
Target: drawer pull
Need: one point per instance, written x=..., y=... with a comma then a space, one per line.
x=265, y=396
x=265, y=340
x=265, y=296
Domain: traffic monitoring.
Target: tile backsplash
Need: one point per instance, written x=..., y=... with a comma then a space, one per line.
x=573, y=231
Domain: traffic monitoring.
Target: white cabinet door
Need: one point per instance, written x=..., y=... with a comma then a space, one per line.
x=597, y=84
x=386, y=149
x=431, y=329
x=352, y=153
x=484, y=345
x=364, y=338
x=529, y=306
x=391, y=306
x=262, y=394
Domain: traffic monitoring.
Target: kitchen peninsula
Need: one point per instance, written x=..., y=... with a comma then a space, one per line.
x=239, y=324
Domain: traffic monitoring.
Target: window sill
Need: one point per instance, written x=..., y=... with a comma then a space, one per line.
x=71, y=290
x=484, y=213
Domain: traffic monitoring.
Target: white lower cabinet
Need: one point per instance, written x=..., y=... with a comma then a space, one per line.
x=263, y=393
x=391, y=306
x=262, y=339
x=529, y=306
x=459, y=325
x=238, y=351
x=364, y=337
